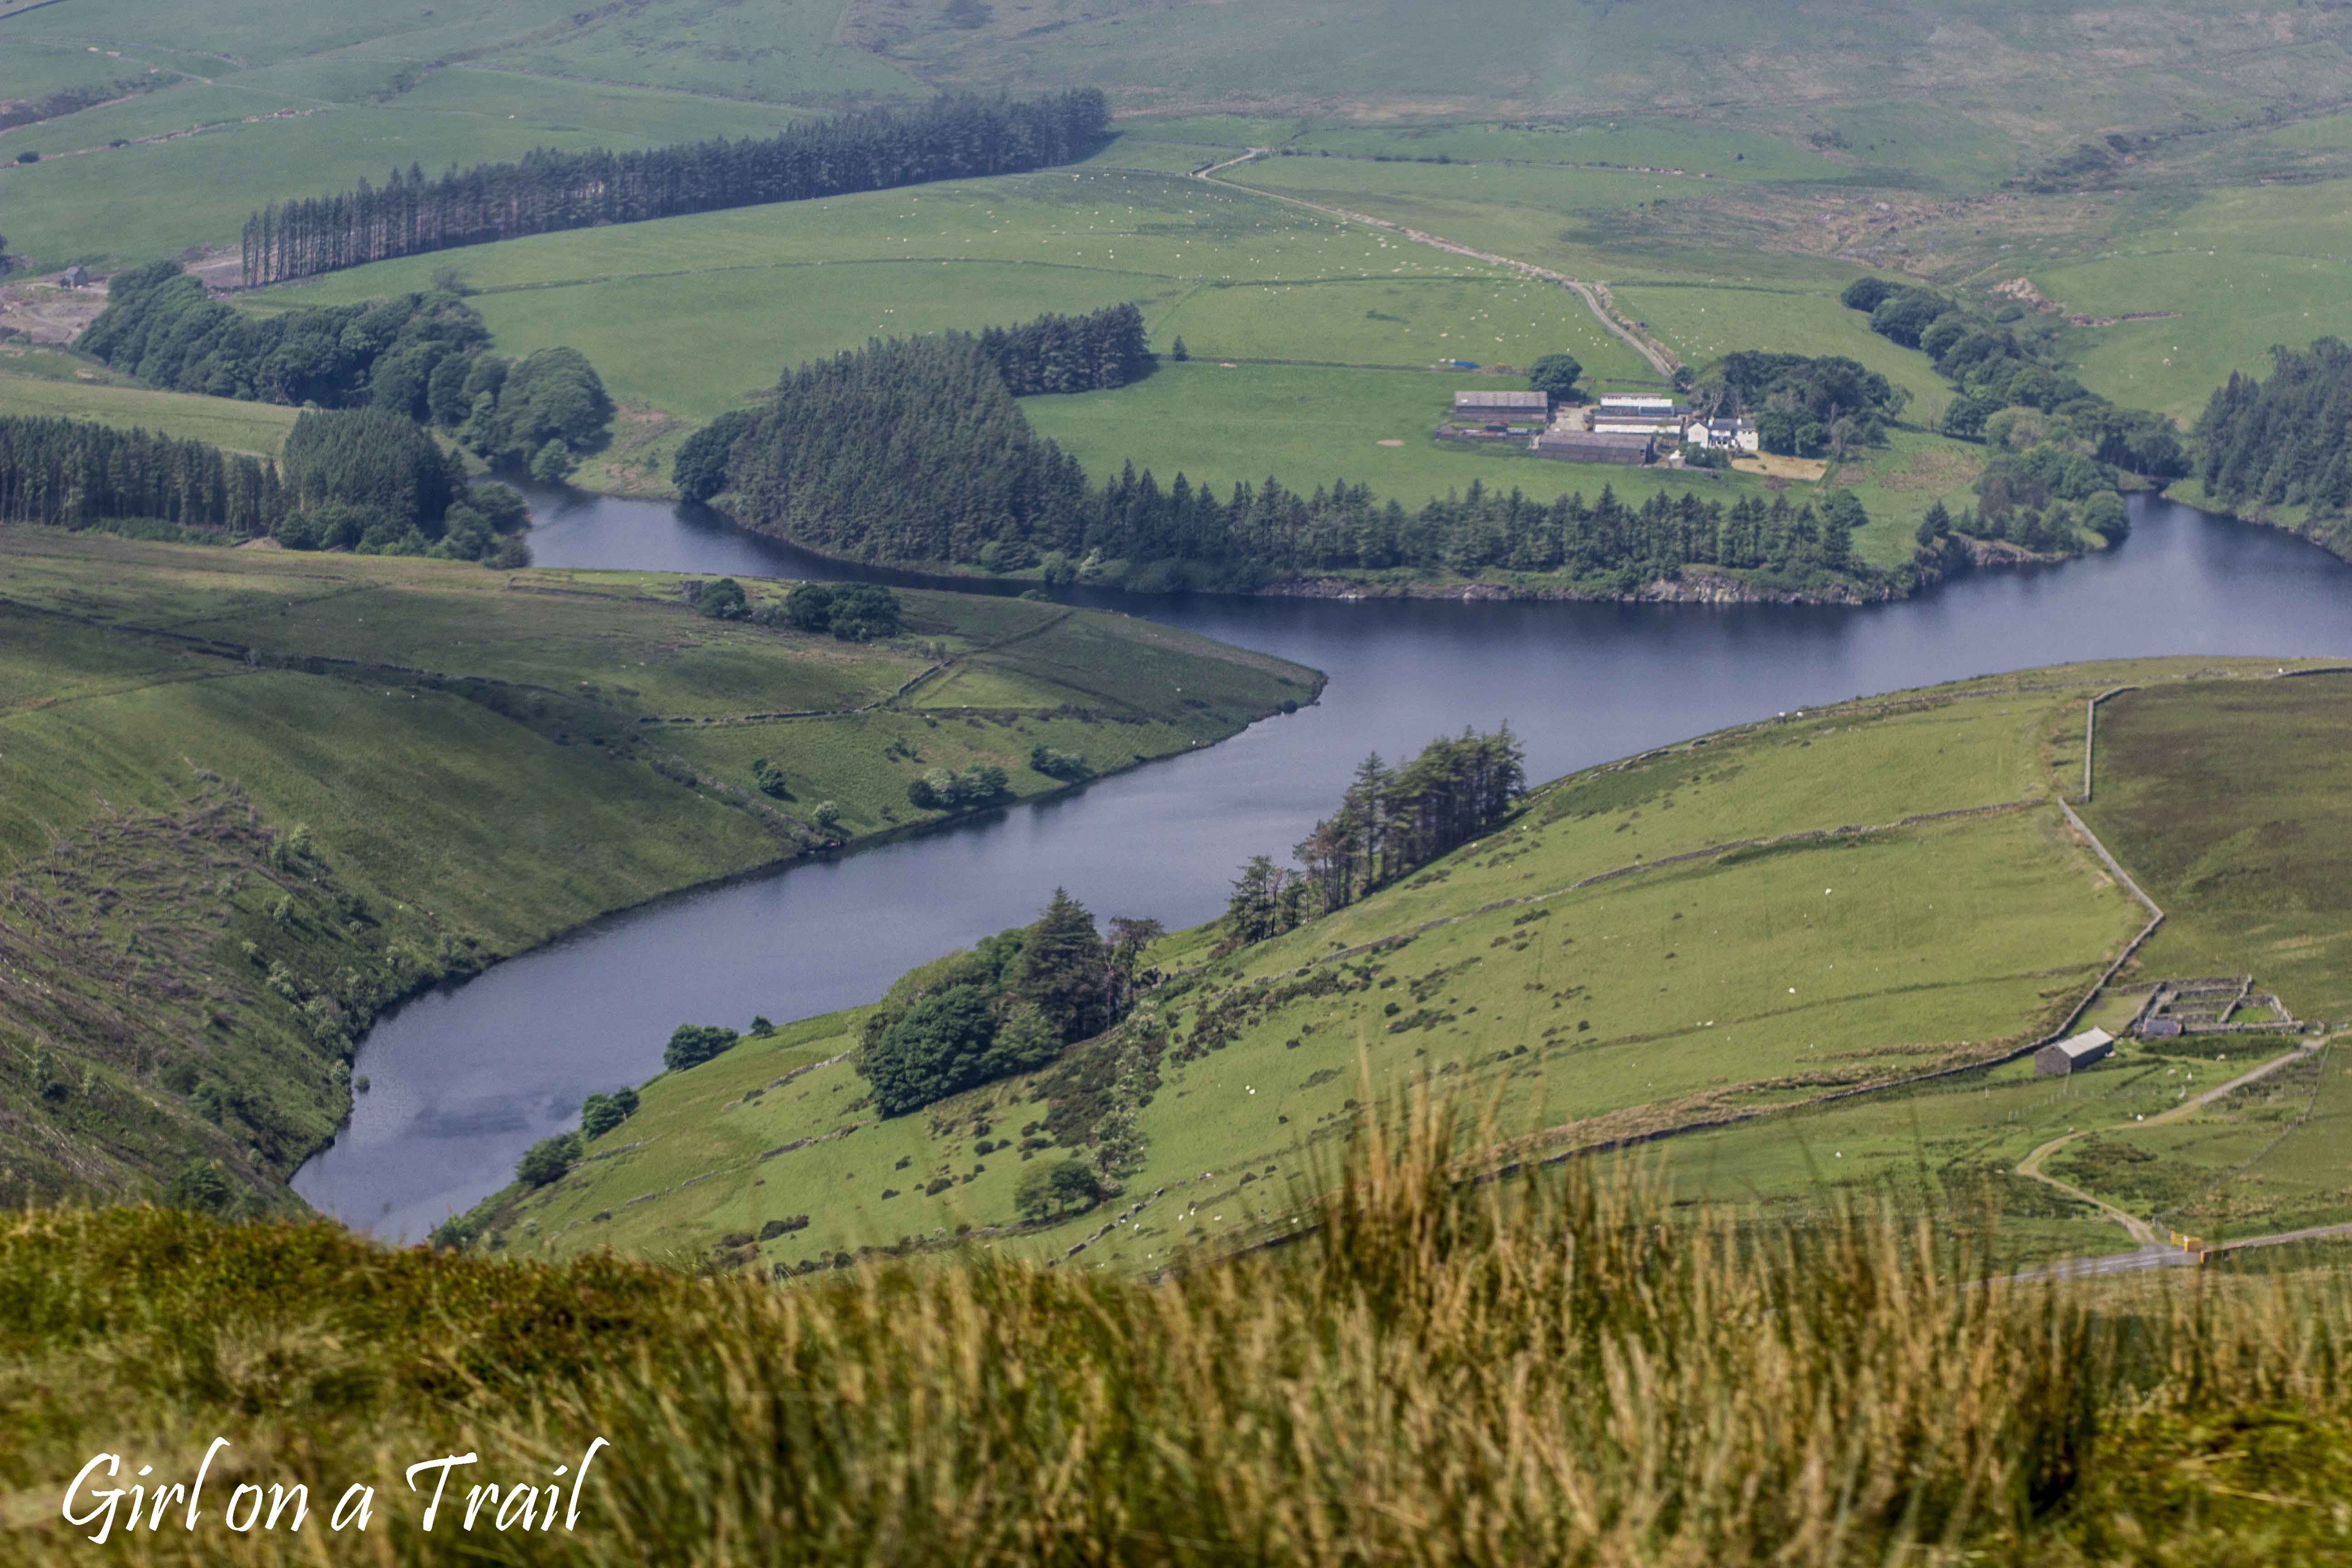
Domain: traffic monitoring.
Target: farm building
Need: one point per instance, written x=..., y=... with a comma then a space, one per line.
x=2073, y=1054
x=1726, y=435
x=1593, y=447
x=1639, y=415
x=1639, y=404
x=1502, y=405
x=75, y=276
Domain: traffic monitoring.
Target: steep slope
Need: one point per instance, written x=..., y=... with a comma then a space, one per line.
x=256, y=795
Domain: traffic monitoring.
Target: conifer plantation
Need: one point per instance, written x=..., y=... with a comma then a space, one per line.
x=66, y=473
x=949, y=138
x=1390, y=823
x=2284, y=441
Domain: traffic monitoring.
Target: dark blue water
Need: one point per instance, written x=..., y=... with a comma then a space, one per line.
x=464, y=1080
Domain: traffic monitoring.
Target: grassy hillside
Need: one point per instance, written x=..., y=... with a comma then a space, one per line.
x=255, y=795
x=1825, y=902
x=165, y=135
x=1569, y=1370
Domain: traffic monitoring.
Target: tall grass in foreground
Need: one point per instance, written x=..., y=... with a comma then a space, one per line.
x=1555, y=1370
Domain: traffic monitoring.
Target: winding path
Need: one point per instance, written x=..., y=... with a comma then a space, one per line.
x=1595, y=295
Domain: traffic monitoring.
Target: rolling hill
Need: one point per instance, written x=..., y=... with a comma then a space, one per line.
x=1830, y=936
x=257, y=795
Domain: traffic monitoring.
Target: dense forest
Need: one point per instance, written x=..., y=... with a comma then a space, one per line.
x=356, y=478
x=1390, y=823
x=421, y=356
x=949, y=138
x=1070, y=353
x=66, y=473
x=827, y=460
x=1052, y=353
x=2286, y=441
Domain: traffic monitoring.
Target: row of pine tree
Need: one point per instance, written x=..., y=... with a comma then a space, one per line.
x=66, y=473
x=949, y=138
x=1390, y=823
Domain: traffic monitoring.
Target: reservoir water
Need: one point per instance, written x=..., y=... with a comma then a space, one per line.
x=464, y=1079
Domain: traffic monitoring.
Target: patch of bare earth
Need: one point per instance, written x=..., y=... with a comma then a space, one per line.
x=43, y=310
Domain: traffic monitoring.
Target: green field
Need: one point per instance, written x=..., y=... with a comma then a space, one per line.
x=2236, y=271
x=45, y=384
x=478, y=761
x=266, y=104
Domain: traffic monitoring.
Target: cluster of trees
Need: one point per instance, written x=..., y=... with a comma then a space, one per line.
x=1070, y=353
x=2286, y=441
x=1007, y=1006
x=1389, y=824
x=1998, y=367
x=1066, y=766
x=828, y=461
x=692, y=1044
x=981, y=784
x=545, y=410
x=1047, y=1191
x=1557, y=374
x=356, y=479
x=421, y=356
x=600, y=1113
x=370, y=480
x=853, y=612
x=66, y=473
x=832, y=457
x=1803, y=407
x=949, y=138
x=162, y=326
x=1182, y=535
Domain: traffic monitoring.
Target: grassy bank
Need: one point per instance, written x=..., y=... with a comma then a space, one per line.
x=1667, y=942
x=256, y=794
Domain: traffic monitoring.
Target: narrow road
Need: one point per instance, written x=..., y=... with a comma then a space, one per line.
x=1659, y=357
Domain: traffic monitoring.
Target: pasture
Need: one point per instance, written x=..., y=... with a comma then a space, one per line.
x=1730, y=981
x=152, y=175
x=2236, y=271
x=47, y=384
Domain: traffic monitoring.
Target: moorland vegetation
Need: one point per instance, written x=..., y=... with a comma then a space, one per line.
x=1574, y=1369
x=260, y=795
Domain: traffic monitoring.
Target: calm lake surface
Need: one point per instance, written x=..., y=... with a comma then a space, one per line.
x=464, y=1079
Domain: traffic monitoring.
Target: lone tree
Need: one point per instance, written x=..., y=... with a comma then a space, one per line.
x=1048, y=1192
x=1178, y=352
x=1557, y=374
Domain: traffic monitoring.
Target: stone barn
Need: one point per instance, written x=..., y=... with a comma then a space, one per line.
x=2071, y=1056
